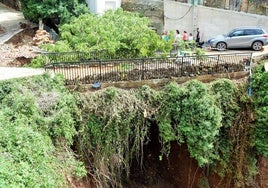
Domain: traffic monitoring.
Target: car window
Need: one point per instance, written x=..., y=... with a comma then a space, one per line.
x=259, y=31
x=252, y=32
x=237, y=33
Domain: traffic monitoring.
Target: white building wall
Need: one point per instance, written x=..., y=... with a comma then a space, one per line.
x=211, y=21
x=100, y=6
x=178, y=16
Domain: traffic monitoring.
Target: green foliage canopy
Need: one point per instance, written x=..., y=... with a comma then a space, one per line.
x=189, y=114
x=37, y=122
x=62, y=10
x=112, y=132
x=40, y=119
x=224, y=91
x=119, y=33
x=260, y=94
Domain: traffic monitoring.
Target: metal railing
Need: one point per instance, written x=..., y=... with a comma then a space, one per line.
x=54, y=57
x=91, y=71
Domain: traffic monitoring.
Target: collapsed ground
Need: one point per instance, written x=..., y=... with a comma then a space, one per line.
x=18, y=50
x=177, y=170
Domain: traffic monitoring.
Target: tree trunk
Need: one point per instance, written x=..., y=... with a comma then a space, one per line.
x=227, y=4
x=244, y=6
x=41, y=25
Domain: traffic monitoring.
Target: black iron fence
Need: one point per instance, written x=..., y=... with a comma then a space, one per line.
x=54, y=57
x=91, y=71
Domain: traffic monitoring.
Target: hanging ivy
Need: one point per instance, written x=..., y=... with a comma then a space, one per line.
x=189, y=114
x=112, y=133
x=260, y=94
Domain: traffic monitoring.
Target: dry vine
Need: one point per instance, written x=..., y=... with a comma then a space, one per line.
x=113, y=130
x=240, y=134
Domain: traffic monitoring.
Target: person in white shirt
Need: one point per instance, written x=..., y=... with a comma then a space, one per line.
x=177, y=36
x=191, y=37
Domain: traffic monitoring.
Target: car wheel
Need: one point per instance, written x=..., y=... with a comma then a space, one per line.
x=257, y=45
x=221, y=46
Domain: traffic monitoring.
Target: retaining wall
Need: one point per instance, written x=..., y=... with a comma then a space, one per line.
x=211, y=21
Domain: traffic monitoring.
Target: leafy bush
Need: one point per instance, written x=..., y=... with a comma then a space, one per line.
x=260, y=95
x=35, y=133
x=225, y=92
x=37, y=62
x=121, y=33
x=189, y=114
x=112, y=134
x=35, y=10
x=40, y=120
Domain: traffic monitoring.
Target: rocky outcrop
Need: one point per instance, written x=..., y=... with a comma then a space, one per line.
x=42, y=37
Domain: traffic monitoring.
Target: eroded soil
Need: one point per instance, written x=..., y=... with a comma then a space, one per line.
x=18, y=50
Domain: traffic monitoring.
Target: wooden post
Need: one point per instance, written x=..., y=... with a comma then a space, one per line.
x=41, y=25
x=227, y=4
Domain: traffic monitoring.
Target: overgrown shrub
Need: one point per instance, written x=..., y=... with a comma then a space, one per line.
x=120, y=33
x=36, y=133
x=40, y=120
x=260, y=95
x=189, y=114
x=112, y=133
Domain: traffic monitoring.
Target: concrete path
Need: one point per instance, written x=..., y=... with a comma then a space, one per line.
x=10, y=19
x=14, y=72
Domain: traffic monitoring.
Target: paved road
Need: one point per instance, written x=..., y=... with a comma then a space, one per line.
x=254, y=53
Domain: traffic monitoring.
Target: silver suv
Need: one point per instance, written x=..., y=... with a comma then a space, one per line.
x=245, y=37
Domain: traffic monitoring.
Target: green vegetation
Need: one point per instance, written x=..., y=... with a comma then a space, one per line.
x=112, y=133
x=60, y=10
x=41, y=121
x=37, y=119
x=120, y=33
x=189, y=114
x=213, y=120
x=260, y=94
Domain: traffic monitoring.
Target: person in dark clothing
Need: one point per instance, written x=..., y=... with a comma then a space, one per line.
x=197, y=39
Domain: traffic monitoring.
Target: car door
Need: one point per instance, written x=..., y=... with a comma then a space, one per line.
x=252, y=34
x=236, y=39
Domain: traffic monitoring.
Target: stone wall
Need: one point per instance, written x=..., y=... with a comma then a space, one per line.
x=158, y=83
x=154, y=10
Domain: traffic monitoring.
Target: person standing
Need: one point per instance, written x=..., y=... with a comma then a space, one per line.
x=197, y=39
x=165, y=36
x=185, y=36
x=191, y=37
x=177, y=36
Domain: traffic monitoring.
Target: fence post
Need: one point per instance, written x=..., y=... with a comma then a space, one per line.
x=182, y=66
x=100, y=64
x=143, y=69
x=217, y=68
